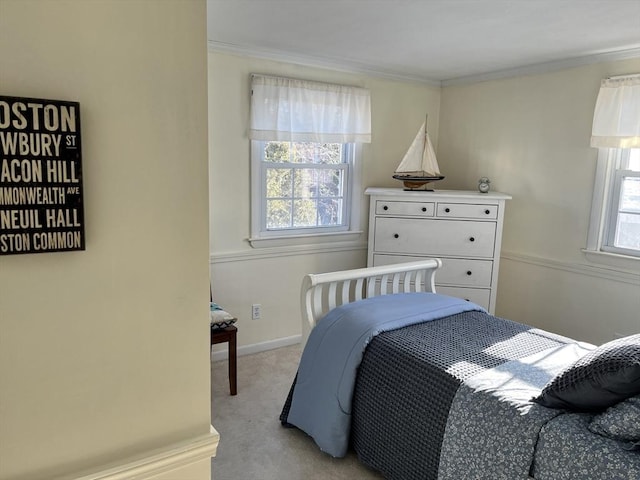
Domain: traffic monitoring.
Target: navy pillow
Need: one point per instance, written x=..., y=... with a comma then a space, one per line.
x=600, y=379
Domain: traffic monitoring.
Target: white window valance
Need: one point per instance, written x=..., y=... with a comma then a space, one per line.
x=616, y=120
x=287, y=109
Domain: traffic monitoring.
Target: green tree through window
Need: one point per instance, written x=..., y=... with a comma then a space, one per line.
x=304, y=185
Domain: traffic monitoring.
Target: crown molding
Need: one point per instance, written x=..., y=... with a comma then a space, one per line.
x=361, y=68
x=318, y=62
x=545, y=67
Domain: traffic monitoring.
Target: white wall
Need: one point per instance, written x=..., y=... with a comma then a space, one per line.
x=242, y=275
x=530, y=135
x=104, y=352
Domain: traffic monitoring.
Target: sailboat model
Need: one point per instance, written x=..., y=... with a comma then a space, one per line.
x=419, y=165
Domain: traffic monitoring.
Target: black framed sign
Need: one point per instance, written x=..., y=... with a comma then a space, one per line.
x=41, y=206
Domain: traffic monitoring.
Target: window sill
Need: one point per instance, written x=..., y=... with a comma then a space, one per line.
x=615, y=261
x=312, y=239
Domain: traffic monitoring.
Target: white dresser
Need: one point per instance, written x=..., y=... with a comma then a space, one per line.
x=463, y=228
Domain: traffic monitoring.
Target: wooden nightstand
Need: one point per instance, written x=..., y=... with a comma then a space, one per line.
x=228, y=334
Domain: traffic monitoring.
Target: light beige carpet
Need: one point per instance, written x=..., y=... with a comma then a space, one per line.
x=253, y=444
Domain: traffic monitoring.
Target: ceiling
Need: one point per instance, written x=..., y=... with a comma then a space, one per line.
x=441, y=41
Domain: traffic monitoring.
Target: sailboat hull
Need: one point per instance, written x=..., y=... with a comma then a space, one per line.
x=412, y=182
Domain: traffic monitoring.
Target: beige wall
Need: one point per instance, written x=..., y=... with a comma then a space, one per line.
x=243, y=275
x=104, y=352
x=530, y=135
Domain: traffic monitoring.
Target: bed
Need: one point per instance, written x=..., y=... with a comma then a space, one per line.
x=425, y=386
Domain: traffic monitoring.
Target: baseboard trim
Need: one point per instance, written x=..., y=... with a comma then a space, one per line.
x=258, y=347
x=156, y=462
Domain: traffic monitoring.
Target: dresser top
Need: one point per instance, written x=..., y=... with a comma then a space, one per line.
x=437, y=194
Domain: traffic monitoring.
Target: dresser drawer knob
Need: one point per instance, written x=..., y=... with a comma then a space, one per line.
x=469, y=272
x=447, y=210
x=487, y=211
x=395, y=235
x=472, y=239
x=424, y=209
x=385, y=208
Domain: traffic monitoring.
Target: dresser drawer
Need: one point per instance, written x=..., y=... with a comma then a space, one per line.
x=454, y=271
x=464, y=272
x=434, y=237
x=417, y=209
x=467, y=210
x=479, y=296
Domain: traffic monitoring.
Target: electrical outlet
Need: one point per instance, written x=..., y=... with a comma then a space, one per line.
x=256, y=311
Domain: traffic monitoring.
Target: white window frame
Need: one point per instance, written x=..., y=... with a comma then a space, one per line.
x=261, y=237
x=604, y=210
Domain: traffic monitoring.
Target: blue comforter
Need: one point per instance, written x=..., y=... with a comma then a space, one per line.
x=321, y=400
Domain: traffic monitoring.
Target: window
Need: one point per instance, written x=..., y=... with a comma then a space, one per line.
x=622, y=228
x=305, y=185
x=615, y=216
x=304, y=166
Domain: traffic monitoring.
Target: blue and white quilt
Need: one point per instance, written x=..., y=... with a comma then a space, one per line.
x=321, y=401
x=443, y=391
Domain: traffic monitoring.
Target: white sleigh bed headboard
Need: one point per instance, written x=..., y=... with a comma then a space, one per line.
x=324, y=291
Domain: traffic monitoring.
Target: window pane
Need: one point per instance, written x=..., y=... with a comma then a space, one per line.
x=329, y=211
x=278, y=214
x=279, y=182
x=305, y=183
x=628, y=231
x=319, y=153
x=330, y=183
x=630, y=194
x=304, y=213
x=278, y=152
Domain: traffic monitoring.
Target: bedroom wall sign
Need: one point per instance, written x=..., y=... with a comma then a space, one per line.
x=41, y=206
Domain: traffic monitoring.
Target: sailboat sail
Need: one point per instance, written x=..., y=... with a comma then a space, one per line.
x=419, y=165
x=420, y=160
